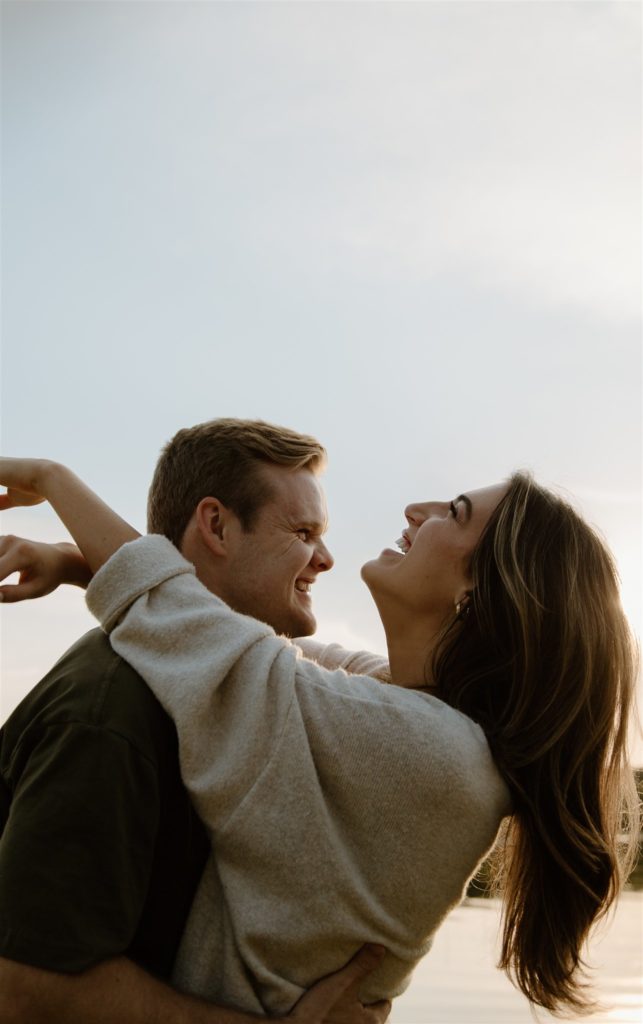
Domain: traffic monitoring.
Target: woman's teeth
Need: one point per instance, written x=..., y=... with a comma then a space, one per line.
x=402, y=544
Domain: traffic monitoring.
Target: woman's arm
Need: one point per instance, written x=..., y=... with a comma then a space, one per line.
x=97, y=530
x=42, y=568
x=332, y=656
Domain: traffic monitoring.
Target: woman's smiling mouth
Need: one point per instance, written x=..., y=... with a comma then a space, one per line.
x=403, y=543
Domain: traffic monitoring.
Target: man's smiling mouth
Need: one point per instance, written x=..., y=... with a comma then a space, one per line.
x=303, y=586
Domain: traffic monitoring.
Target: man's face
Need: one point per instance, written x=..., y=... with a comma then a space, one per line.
x=271, y=568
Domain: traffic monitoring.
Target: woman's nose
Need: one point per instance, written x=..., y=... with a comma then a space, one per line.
x=419, y=511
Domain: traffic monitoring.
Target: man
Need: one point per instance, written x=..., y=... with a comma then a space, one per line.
x=101, y=852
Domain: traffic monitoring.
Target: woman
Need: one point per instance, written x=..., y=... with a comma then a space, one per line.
x=505, y=637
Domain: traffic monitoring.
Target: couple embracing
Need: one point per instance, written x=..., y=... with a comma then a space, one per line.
x=200, y=812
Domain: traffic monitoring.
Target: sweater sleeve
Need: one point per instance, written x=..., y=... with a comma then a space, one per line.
x=221, y=676
x=333, y=656
x=341, y=810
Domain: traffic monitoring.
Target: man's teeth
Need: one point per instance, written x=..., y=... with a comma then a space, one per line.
x=302, y=586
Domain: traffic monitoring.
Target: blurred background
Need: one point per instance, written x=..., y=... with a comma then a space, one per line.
x=411, y=229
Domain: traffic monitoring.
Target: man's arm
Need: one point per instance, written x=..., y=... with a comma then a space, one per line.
x=114, y=992
x=119, y=992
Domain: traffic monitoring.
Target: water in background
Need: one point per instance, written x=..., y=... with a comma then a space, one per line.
x=458, y=982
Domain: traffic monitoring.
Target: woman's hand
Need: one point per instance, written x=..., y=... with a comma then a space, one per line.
x=24, y=480
x=42, y=568
x=97, y=530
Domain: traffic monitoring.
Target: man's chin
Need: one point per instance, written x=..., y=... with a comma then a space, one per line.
x=307, y=628
x=302, y=624
x=292, y=619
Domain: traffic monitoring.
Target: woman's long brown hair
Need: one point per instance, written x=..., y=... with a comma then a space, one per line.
x=545, y=662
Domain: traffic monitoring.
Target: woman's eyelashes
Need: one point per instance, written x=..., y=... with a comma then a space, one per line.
x=453, y=509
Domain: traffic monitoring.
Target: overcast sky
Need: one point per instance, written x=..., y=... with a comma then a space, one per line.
x=412, y=229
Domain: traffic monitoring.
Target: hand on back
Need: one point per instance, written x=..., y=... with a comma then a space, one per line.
x=334, y=1000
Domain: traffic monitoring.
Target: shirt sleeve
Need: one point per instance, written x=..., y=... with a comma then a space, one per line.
x=76, y=848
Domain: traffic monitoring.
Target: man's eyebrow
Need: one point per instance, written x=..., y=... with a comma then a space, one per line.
x=466, y=500
x=315, y=526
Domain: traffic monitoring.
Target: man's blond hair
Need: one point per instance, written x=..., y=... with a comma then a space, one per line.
x=222, y=459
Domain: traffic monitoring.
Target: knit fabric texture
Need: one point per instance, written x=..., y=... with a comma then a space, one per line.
x=340, y=810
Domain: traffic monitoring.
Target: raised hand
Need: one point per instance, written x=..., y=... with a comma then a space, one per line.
x=22, y=478
x=42, y=568
x=97, y=530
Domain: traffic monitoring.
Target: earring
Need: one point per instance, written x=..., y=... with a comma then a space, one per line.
x=463, y=606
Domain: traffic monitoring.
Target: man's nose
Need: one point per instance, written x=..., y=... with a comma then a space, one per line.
x=322, y=558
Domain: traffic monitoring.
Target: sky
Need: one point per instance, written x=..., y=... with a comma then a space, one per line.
x=410, y=229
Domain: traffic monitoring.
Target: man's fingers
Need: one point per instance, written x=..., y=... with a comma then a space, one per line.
x=316, y=1003
x=364, y=962
x=378, y=1013
x=367, y=958
x=352, y=975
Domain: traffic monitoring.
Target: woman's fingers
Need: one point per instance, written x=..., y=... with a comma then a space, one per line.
x=18, y=499
x=10, y=593
x=12, y=558
x=21, y=478
x=37, y=564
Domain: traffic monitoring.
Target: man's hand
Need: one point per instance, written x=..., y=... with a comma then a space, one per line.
x=119, y=992
x=334, y=1000
x=42, y=568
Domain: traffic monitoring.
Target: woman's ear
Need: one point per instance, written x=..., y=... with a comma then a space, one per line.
x=463, y=605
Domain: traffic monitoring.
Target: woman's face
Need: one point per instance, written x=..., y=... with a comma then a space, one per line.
x=431, y=572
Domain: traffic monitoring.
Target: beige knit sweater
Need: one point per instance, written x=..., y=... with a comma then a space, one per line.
x=340, y=810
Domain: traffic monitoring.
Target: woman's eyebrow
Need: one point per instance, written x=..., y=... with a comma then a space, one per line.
x=466, y=500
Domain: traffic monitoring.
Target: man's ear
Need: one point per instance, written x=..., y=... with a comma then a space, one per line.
x=213, y=520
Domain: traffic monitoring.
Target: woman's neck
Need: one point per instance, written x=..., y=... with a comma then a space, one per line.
x=410, y=647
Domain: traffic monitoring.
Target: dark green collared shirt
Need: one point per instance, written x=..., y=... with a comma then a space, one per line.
x=100, y=849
